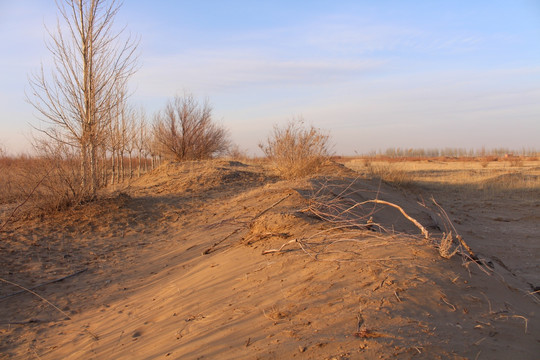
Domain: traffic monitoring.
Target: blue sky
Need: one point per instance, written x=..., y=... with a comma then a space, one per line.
x=375, y=74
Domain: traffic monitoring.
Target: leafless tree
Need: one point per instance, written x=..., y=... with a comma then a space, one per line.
x=185, y=130
x=131, y=132
x=91, y=62
x=113, y=143
x=140, y=137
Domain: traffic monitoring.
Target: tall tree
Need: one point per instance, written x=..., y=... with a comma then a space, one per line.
x=78, y=96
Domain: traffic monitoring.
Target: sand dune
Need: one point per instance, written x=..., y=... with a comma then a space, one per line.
x=175, y=265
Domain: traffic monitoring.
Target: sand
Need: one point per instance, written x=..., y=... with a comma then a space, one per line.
x=175, y=266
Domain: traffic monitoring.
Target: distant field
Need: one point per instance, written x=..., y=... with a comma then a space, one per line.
x=471, y=174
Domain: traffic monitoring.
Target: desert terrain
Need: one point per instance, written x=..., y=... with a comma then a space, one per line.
x=224, y=259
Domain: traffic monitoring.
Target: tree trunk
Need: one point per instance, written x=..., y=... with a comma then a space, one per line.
x=112, y=168
x=139, y=168
x=84, y=169
x=93, y=170
x=130, y=166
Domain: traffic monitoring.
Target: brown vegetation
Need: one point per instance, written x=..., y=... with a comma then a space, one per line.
x=185, y=130
x=87, y=86
x=296, y=150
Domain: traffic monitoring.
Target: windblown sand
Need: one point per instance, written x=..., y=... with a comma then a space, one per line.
x=173, y=267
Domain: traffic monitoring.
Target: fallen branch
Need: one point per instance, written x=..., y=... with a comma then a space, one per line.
x=411, y=219
x=341, y=216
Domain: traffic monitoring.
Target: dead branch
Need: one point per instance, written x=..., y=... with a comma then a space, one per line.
x=270, y=251
x=39, y=296
x=48, y=302
x=411, y=219
x=212, y=248
x=43, y=284
x=443, y=214
x=468, y=248
x=517, y=316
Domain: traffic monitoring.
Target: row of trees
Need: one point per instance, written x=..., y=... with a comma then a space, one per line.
x=83, y=102
x=450, y=152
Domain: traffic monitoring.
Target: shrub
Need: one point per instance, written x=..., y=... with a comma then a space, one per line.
x=296, y=150
x=186, y=130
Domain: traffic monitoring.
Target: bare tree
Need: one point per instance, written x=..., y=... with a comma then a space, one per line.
x=140, y=137
x=185, y=130
x=91, y=63
x=131, y=132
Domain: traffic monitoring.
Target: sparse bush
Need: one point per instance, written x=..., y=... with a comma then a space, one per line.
x=297, y=150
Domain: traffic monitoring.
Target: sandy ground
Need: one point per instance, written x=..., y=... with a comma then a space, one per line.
x=174, y=267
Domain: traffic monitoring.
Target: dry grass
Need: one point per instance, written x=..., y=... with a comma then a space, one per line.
x=485, y=175
x=390, y=173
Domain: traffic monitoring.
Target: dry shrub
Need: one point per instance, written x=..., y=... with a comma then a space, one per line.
x=296, y=150
x=12, y=170
x=40, y=184
x=61, y=171
x=446, y=245
x=186, y=130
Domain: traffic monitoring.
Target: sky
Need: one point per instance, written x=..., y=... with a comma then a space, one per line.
x=373, y=74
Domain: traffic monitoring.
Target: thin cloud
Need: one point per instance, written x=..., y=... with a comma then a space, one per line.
x=223, y=70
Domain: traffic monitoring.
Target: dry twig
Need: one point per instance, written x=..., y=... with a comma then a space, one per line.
x=212, y=248
x=39, y=296
x=48, y=302
x=43, y=284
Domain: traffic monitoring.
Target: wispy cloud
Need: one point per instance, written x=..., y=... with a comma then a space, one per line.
x=222, y=70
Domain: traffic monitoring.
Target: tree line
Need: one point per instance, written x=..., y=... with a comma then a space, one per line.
x=87, y=120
